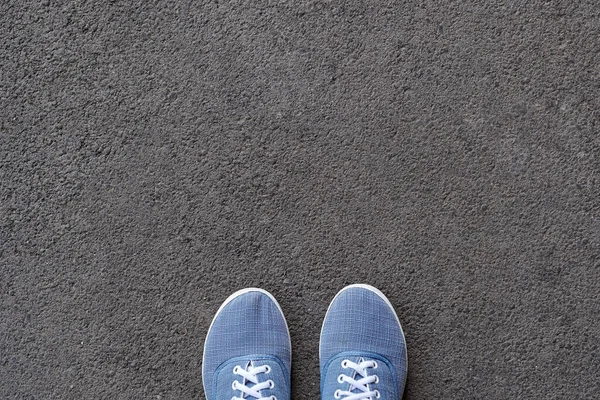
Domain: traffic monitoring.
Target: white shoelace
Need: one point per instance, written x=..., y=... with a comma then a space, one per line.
x=358, y=388
x=249, y=375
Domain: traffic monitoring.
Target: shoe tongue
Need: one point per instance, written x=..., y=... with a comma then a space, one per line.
x=247, y=366
x=356, y=376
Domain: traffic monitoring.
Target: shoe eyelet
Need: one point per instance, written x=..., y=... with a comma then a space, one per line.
x=268, y=371
x=271, y=384
x=377, y=394
x=273, y=398
x=376, y=379
x=337, y=394
x=375, y=365
x=234, y=385
x=345, y=364
x=236, y=369
x=340, y=378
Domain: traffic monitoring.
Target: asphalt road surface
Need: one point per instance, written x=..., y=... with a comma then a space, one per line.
x=156, y=156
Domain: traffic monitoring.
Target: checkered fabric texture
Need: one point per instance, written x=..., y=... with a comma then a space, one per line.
x=249, y=325
x=360, y=321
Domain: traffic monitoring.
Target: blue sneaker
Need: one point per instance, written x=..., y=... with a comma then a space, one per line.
x=362, y=351
x=247, y=352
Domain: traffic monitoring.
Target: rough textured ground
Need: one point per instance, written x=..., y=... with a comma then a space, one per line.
x=156, y=156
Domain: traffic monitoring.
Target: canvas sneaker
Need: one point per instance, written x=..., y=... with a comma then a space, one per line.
x=362, y=350
x=247, y=352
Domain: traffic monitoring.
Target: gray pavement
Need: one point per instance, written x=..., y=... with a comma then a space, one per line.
x=156, y=156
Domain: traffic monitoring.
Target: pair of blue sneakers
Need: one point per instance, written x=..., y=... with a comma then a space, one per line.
x=248, y=353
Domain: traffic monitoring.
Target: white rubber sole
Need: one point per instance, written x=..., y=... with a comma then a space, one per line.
x=384, y=298
x=227, y=301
